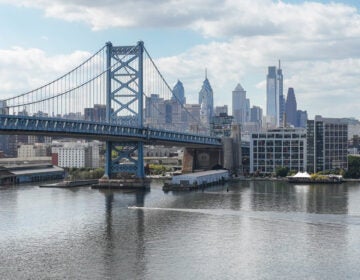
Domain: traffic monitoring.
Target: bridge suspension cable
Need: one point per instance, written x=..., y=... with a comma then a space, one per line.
x=81, y=93
x=163, y=104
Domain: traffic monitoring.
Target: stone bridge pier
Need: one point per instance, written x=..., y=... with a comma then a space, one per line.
x=228, y=156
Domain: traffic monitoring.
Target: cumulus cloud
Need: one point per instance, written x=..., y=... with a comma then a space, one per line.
x=318, y=43
x=210, y=17
x=25, y=69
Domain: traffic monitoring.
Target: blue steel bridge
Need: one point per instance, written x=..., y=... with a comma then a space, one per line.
x=120, y=78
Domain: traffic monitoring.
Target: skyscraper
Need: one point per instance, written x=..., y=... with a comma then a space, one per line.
x=275, y=105
x=179, y=93
x=280, y=89
x=291, y=108
x=206, y=101
x=301, y=118
x=239, y=104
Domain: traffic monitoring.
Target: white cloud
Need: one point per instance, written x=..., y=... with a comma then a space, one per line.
x=319, y=45
x=25, y=69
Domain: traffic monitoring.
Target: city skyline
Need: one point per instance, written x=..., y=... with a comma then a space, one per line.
x=317, y=42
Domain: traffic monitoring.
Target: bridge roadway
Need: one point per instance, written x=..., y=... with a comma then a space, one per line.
x=10, y=124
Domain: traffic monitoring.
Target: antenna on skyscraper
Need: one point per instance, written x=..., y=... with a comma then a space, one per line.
x=205, y=73
x=279, y=64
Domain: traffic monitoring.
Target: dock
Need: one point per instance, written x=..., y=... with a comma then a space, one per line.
x=197, y=180
x=125, y=183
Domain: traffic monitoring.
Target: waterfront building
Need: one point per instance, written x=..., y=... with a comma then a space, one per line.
x=275, y=103
x=179, y=93
x=282, y=147
x=291, y=108
x=327, y=144
x=239, y=104
x=30, y=173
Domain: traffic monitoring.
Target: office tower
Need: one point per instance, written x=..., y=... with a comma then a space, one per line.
x=274, y=95
x=179, y=93
x=96, y=114
x=326, y=144
x=291, y=108
x=206, y=101
x=155, y=111
x=301, y=118
x=256, y=115
x=239, y=104
x=193, y=116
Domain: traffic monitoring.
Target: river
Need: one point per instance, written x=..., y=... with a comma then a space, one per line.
x=243, y=230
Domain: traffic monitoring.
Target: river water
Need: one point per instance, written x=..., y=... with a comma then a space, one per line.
x=243, y=230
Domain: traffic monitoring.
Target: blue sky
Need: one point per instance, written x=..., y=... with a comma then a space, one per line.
x=317, y=41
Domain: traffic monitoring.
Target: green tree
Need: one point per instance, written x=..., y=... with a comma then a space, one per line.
x=353, y=167
x=281, y=171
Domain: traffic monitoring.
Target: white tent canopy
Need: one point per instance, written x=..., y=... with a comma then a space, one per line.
x=302, y=175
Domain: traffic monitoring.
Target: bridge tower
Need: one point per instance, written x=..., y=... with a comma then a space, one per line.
x=124, y=106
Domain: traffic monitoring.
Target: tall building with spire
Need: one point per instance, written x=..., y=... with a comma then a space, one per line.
x=291, y=108
x=206, y=101
x=179, y=93
x=275, y=103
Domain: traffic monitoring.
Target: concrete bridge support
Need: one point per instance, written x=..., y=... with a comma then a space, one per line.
x=229, y=156
x=196, y=159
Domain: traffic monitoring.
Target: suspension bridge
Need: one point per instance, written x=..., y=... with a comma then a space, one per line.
x=136, y=105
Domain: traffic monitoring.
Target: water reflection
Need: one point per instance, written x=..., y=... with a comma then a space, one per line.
x=327, y=199
x=243, y=230
x=122, y=231
x=281, y=196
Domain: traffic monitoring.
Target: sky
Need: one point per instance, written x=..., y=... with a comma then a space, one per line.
x=318, y=43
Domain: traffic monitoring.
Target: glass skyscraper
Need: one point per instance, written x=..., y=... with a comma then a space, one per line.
x=275, y=103
x=291, y=108
x=179, y=93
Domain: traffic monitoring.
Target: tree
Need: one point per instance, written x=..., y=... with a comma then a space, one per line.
x=281, y=171
x=353, y=167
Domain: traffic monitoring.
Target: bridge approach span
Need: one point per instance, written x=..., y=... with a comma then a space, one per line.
x=102, y=131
